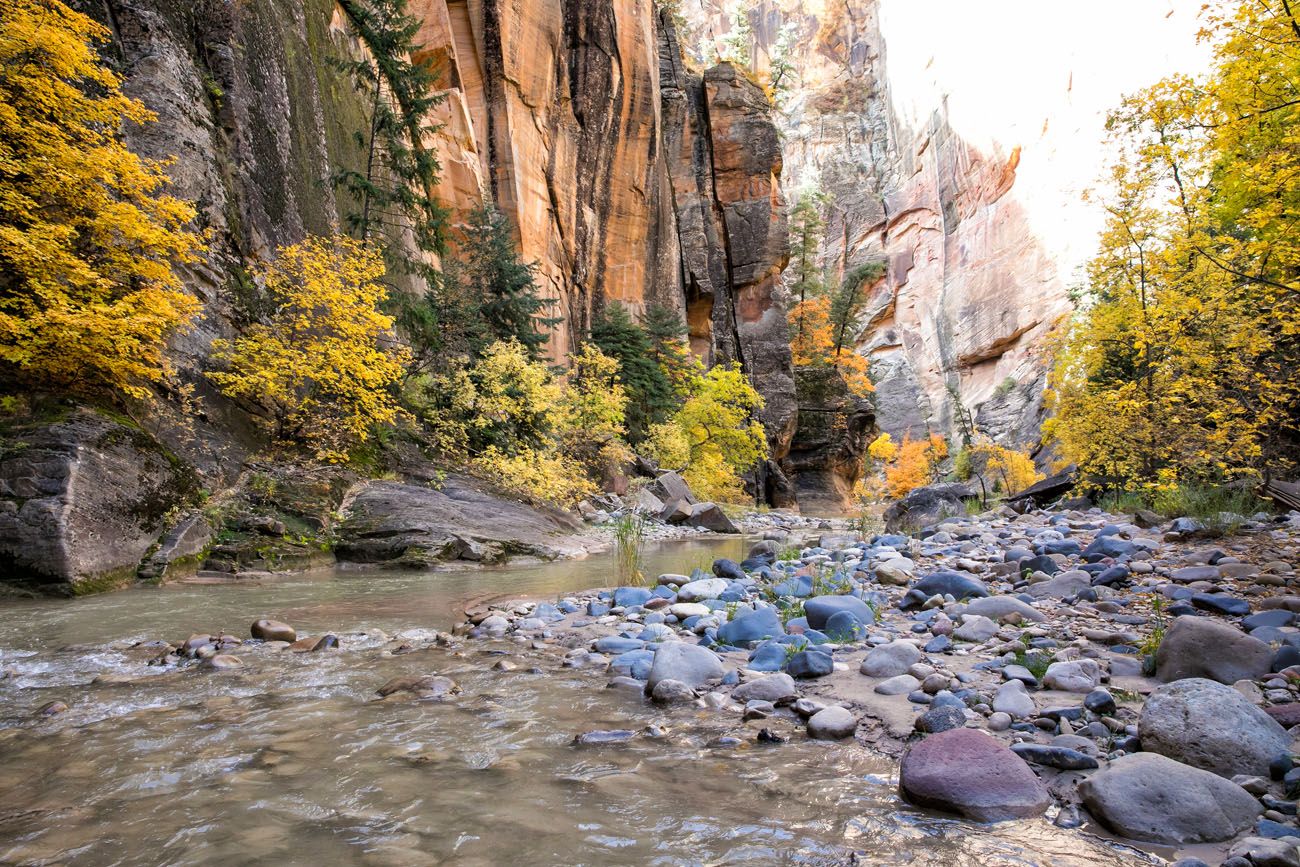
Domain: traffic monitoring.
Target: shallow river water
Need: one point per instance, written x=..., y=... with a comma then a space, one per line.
x=292, y=760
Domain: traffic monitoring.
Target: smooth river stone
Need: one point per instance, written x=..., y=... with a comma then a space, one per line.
x=967, y=772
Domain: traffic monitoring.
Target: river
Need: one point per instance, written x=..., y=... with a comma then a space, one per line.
x=291, y=760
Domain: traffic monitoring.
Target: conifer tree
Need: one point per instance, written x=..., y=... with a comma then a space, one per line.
x=649, y=393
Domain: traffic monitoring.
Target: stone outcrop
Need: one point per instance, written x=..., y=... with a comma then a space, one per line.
x=81, y=502
x=397, y=525
x=831, y=438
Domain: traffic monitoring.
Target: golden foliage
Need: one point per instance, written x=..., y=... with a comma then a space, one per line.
x=883, y=449
x=323, y=367
x=88, y=297
x=714, y=437
x=914, y=465
x=1011, y=470
x=509, y=417
x=1181, y=363
x=814, y=343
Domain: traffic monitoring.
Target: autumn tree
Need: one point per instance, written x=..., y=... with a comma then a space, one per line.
x=321, y=370
x=914, y=465
x=88, y=297
x=667, y=332
x=1180, y=363
x=715, y=437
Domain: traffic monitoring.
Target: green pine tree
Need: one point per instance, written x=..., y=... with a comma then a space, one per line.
x=489, y=274
x=649, y=394
x=667, y=334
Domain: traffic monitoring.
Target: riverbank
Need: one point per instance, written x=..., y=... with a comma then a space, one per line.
x=1070, y=664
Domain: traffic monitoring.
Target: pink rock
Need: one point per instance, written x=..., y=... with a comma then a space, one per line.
x=967, y=772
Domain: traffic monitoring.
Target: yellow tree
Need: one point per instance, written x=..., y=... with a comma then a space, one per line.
x=714, y=437
x=322, y=369
x=88, y=297
x=1180, y=365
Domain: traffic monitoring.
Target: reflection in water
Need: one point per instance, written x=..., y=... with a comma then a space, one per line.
x=291, y=760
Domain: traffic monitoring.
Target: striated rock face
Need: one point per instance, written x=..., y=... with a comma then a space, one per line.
x=832, y=435
x=81, y=502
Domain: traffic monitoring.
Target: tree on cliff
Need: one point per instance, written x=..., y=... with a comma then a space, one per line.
x=490, y=289
x=1180, y=365
x=322, y=370
x=650, y=394
x=88, y=297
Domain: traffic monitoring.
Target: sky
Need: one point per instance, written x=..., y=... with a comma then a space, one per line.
x=1041, y=75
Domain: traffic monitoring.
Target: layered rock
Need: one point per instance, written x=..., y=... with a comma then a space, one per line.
x=81, y=502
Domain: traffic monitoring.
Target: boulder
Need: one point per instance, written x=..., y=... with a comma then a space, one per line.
x=1012, y=698
x=709, y=516
x=954, y=584
x=925, y=506
x=774, y=688
x=832, y=723
x=819, y=609
x=406, y=526
x=691, y=664
x=670, y=487
x=1149, y=797
x=810, y=663
x=1211, y=726
x=967, y=772
x=750, y=627
x=890, y=660
x=997, y=607
x=1202, y=647
x=975, y=627
x=82, y=501
x=1076, y=675
x=1061, y=586
x=698, y=591
x=273, y=630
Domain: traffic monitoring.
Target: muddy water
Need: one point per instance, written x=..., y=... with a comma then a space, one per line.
x=291, y=760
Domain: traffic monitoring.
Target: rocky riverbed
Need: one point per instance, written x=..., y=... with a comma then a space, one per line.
x=1140, y=680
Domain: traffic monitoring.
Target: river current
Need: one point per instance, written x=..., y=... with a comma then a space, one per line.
x=291, y=759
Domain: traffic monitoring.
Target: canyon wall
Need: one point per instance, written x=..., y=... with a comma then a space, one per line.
x=954, y=146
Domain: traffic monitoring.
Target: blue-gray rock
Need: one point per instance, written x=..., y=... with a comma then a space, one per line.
x=1016, y=554
x=691, y=664
x=633, y=663
x=1221, y=604
x=1061, y=758
x=942, y=584
x=774, y=688
x=819, y=609
x=796, y=585
x=1111, y=577
x=750, y=627
x=845, y=626
x=597, y=609
x=1149, y=797
x=943, y=718
x=626, y=597
x=810, y=663
x=1041, y=563
x=618, y=644
x=1276, y=617
x=729, y=569
x=891, y=540
x=547, y=612
x=1287, y=655
x=1211, y=726
x=1109, y=546
x=1100, y=702
x=938, y=644
x=768, y=656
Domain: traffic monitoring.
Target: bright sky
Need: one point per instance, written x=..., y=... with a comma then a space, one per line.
x=1040, y=74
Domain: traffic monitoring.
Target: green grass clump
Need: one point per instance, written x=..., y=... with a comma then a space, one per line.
x=629, y=540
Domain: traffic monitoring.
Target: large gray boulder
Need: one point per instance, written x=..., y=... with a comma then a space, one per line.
x=925, y=506
x=1210, y=726
x=690, y=664
x=997, y=607
x=397, y=525
x=1152, y=798
x=1202, y=647
x=890, y=660
x=967, y=772
x=82, y=500
x=774, y=688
